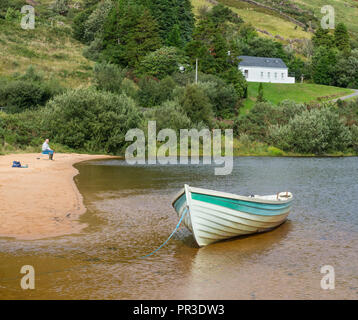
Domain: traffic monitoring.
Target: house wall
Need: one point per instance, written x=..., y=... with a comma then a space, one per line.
x=274, y=75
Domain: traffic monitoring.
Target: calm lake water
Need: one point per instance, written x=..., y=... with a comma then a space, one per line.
x=129, y=215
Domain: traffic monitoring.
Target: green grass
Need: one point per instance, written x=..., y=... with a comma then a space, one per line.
x=298, y=92
x=260, y=18
x=345, y=11
x=51, y=50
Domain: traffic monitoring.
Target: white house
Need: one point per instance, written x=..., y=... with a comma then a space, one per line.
x=259, y=69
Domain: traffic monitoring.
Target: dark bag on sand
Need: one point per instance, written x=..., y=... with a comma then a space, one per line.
x=16, y=164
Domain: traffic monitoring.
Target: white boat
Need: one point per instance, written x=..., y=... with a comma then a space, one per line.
x=213, y=216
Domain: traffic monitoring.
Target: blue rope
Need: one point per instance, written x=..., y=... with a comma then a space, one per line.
x=166, y=241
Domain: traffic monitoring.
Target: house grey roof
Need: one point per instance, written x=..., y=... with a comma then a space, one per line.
x=248, y=61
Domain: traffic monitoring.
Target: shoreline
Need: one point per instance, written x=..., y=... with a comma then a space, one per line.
x=41, y=201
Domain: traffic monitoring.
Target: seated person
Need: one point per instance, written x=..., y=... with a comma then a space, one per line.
x=46, y=149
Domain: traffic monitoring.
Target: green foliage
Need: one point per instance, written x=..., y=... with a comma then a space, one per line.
x=175, y=20
x=108, y=77
x=12, y=14
x=169, y=115
x=354, y=133
x=130, y=33
x=263, y=115
x=322, y=38
x=197, y=105
x=235, y=77
x=60, y=7
x=27, y=92
x=79, y=24
x=93, y=26
x=313, y=131
x=346, y=70
x=21, y=130
x=91, y=120
x=222, y=96
x=323, y=65
x=162, y=62
x=341, y=37
x=260, y=96
x=174, y=38
x=154, y=92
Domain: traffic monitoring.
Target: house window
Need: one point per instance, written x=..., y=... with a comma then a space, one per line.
x=262, y=74
x=282, y=75
x=268, y=74
x=275, y=75
x=246, y=73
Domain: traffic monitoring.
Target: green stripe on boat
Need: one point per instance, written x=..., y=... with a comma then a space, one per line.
x=256, y=208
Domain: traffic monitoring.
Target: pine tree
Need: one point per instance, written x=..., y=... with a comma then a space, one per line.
x=322, y=37
x=174, y=38
x=130, y=33
x=169, y=13
x=341, y=37
x=260, y=96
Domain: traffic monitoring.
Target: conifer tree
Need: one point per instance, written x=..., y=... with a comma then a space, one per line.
x=341, y=37
x=130, y=33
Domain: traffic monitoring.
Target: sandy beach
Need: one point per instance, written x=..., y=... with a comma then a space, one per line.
x=42, y=200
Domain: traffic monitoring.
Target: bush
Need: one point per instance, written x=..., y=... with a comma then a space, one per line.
x=108, y=77
x=154, y=92
x=313, y=131
x=263, y=115
x=60, y=7
x=27, y=91
x=354, y=133
x=223, y=97
x=197, y=105
x=93, y=27
x=79, y=24
x=21, y=130
x=162, y=62
x=169, y=115
x=91, y=120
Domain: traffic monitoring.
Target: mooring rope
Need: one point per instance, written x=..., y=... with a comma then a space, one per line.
x=172, y=234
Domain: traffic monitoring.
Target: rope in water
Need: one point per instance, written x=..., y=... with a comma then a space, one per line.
x=172, y=234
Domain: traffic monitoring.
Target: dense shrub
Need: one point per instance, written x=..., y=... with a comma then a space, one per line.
x=93, y=27
x=197, y=105
x=354, y=133
x=91, y=120
x=313, y=131
x=60, y=7
x=108, y=77
x=79, y=24
x=162, y=62
x=16, y=96
x=169, y=115
x=223, y=97
x=154, y=92
x=21, y=130
x=263, y=115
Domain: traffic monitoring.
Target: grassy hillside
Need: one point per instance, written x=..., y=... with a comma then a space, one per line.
x=260, y=18
x=299, y=92
x=50, y=48
x=346, y=10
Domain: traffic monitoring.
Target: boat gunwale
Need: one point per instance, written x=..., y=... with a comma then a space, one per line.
x=227, y=195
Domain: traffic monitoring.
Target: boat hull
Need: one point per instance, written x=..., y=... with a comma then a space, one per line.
x=213, y=216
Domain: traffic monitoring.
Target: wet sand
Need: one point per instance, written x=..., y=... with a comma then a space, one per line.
x=40, y=201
